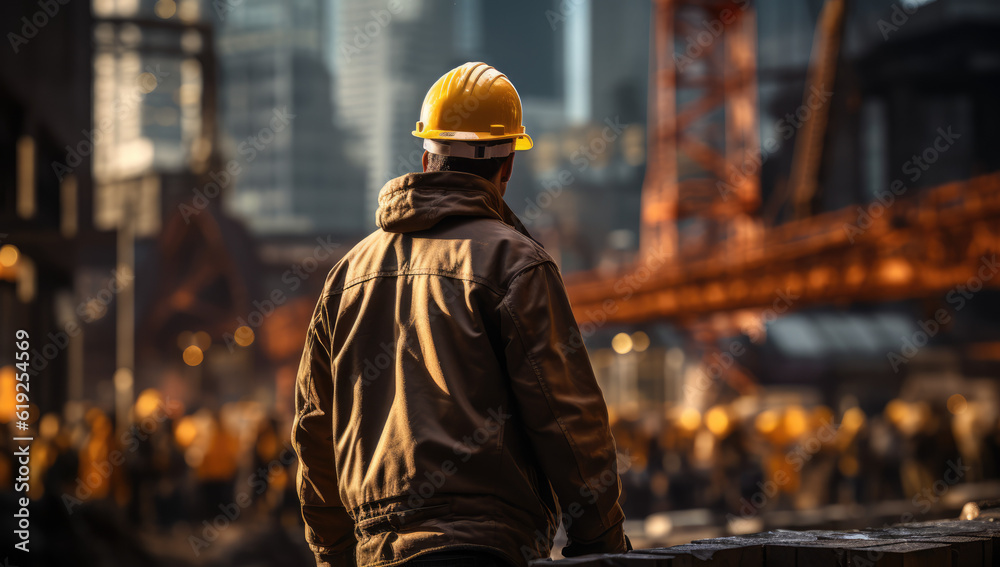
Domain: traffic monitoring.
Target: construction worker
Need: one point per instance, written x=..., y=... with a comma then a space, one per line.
x=445, y=401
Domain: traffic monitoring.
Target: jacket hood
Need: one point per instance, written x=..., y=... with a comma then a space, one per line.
x=418, y=201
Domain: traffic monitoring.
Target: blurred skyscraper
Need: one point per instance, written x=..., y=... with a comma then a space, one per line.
x=582, y=71
x=892, y=89
x=571, y=62
x=149, y=131
x=278, y=121
x=386, y=53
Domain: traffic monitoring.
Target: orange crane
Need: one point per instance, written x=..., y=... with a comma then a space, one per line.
x=703, y=172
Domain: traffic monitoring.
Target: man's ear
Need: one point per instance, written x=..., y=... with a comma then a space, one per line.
x=423, y=160
x=507, y=168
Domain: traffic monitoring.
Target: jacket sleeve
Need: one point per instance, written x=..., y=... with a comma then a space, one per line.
x=329, y=529
x=563, y=409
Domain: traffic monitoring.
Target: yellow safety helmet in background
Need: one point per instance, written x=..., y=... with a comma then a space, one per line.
x=472, y=103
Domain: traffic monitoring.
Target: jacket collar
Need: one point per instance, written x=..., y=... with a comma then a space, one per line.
x=418, y=201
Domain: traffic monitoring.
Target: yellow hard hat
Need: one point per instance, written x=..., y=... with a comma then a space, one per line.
x=471, y=103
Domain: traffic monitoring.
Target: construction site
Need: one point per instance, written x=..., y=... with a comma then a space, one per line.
x=777, y=223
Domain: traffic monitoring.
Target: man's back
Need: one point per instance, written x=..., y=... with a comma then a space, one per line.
x=441, y=363
x=445, y=402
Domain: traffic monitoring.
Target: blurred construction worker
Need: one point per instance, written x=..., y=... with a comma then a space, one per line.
x=445, y=400
x=216, y=472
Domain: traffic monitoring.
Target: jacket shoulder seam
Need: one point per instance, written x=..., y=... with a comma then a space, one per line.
x=522, y=270
x=535, y=246
x=396, y=273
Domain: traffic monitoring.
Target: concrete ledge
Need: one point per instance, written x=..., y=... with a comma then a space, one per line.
x=947, y=543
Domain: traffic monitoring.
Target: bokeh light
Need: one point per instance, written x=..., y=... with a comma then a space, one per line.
x=640, y=341
x=622, y=343
x=148, y=402
x=767, y=422
x=244, y=336
x=165, y=8
x=717, y=421
x=9, y=255
x=202, y=340
x=957, y=404
x=689, y=419
x=795, y=421
x=193, y=356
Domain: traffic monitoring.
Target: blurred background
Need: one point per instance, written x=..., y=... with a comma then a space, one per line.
x=777, y=221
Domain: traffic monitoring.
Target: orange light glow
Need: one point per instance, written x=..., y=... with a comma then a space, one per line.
x=957, y=404
x=244, y=336
x=766, y=422
x=689, y=419
x=622, y=343
x=193, y=356
x=9, y=255
x=717, y=421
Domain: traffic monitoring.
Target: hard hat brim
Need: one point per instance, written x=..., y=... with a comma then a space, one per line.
x=521, y=141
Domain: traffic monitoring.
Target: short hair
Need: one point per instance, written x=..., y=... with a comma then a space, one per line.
x=485, y=168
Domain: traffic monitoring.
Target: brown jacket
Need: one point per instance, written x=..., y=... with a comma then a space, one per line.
x=444, y=397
